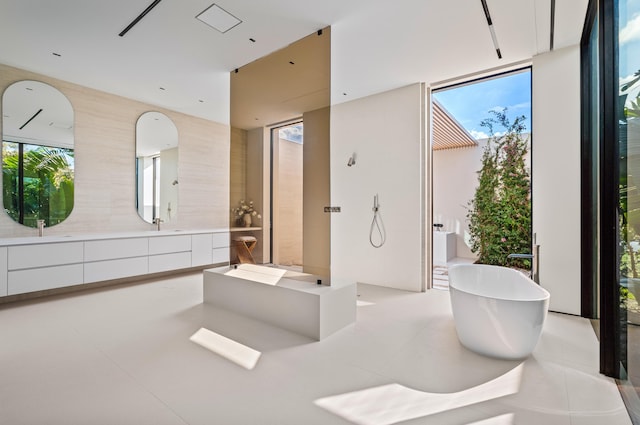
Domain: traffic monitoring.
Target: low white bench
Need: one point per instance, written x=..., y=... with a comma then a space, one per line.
x=289, y=300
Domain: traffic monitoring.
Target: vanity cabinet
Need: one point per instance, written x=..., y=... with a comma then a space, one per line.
x=221, y=250
x=115, y=259
x=201, y=249
x=35, y=264
x=3, y=271
x=44, y=266
x=169, y=253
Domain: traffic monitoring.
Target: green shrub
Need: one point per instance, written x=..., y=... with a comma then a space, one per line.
x=500, y=213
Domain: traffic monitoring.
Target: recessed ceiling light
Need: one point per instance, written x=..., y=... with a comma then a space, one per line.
x=218, y=18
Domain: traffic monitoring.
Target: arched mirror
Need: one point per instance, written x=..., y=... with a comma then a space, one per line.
x=37, y=154
x=156, y=167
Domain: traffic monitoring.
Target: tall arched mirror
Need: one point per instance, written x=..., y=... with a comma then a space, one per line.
x=156, y=167
x=37, y=154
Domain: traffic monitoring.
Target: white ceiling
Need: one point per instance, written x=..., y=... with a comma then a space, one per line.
x=376, y=45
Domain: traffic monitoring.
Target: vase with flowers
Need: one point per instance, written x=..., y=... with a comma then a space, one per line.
x=244, y=213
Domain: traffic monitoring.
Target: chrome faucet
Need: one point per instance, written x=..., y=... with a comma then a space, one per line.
x=157, y=222
x=535, y=260
x=40, y=224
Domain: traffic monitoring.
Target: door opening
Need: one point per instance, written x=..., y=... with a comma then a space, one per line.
x=481, y=174
x=286, y=195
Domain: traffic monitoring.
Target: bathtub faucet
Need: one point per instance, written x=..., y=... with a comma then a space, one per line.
x=535, y=276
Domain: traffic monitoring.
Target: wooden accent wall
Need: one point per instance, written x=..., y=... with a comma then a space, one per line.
x=238, y=171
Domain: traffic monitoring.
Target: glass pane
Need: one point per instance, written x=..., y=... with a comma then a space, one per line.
x=594, y=121
x=629, y=127
x=37, y=183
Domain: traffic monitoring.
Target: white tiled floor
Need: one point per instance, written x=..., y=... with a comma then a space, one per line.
x=123, y=356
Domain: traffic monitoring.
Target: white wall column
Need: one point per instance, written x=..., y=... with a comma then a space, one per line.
x=556, y=174
x=385, y=132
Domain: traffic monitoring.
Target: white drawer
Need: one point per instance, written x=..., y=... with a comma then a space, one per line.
x=21, y=281
x=166, y=262
x=220, y=255
x=29, y=256
x=201, y=246
x=115, y=269
x=112, y=249
x=3, y=271
x=220, y=239
x=168, y=244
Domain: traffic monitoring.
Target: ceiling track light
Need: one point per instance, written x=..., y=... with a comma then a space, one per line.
x=491, y=30
x=139, y=17
x=31, y=119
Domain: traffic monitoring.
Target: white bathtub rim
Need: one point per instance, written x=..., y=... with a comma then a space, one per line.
x=545, y=295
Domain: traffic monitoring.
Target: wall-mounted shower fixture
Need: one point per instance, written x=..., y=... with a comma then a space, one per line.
x=352, y=160
x=377, y=224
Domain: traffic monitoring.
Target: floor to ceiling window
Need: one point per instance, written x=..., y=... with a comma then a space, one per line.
x=474, y=122
x=286, y=194
x=611, y=196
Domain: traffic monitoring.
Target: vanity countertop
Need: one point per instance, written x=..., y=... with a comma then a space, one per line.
x=30, y=240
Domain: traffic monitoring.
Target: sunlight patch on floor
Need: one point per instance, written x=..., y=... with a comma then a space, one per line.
x=231, y=350
x=393, y=403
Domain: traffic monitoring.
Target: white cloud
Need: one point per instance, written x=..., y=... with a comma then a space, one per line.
x=631, y=31
x=479, y=134
x=497, y=108
x=523, y=105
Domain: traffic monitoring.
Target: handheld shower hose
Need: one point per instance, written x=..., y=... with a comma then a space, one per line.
x=377, y=223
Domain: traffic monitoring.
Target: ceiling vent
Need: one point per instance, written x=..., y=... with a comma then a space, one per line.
x=218, y=18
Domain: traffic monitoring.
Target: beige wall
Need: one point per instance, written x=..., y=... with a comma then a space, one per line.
x=105, y=164
x=316, y=248
x=288, y=211
x=238, y=169
x=257, y=187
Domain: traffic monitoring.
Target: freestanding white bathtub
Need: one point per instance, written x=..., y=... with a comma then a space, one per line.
x=498, y=312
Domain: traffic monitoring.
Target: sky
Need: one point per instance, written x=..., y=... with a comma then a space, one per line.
x=470, y=104
x=292, y=133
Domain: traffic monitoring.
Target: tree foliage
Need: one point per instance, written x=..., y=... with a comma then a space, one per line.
x=48, y=187
x=500, y=213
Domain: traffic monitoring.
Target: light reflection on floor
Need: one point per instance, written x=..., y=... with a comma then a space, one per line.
x=231, y=350
x=393, y=403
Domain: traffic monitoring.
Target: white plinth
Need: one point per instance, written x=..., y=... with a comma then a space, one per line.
x=444, y=247
x=292, y=301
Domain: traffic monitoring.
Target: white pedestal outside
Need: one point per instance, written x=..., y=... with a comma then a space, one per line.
x=444, y=247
